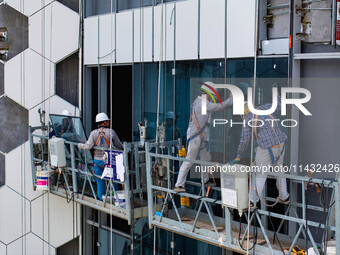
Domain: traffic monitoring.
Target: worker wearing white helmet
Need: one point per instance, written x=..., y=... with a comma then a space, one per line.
x=66, y=124
x=103, y=136
x=66, y=113
x=198, y=132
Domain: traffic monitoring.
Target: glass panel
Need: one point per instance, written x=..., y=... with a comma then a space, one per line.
x=146, y=97
x=186, y=93
x=68, y=127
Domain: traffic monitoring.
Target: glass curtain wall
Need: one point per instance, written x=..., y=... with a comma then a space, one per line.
x=145, y=85
x=223, y=150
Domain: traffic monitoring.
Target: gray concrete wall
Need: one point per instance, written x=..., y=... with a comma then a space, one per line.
x=13, y=124
x=67, y=79
x=17, y=25
x=319, y=140
x=1, y=78
x=2, y=170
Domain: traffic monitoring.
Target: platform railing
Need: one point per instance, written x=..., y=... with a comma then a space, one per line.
x=218, y=229
x=82, y=188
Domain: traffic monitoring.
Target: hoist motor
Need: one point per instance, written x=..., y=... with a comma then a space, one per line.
x=234, y=186
x=57, y=152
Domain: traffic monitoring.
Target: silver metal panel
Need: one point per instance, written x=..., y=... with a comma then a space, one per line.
x=275, y=46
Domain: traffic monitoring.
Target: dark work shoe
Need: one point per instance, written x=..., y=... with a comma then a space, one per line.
x=179, y=189
x=209, y=184
x=252, y=205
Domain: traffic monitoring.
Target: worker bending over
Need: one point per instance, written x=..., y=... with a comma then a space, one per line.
x=198, y=133
x=103, y=136
x=270, y=150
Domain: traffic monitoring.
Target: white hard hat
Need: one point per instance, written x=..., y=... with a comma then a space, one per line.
x=66, y=112
x=206, y=85
x=101, y=117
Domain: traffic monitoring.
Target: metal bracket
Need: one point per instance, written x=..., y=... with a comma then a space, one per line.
x=268, y=19
x=3, y=34
x=300, y=12
x=4, y=53
x=301, y=36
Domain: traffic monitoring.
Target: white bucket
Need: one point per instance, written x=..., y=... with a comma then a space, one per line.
x=121, y=197
x=42, y=180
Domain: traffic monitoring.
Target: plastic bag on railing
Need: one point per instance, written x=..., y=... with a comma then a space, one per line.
x=114, y=167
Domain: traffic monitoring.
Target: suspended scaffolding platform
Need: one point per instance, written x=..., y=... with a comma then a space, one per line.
x=211, y=221
x=76, y=181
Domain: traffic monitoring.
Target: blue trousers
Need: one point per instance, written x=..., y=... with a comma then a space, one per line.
x=98, y=169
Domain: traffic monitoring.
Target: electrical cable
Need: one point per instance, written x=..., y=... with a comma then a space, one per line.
x=324, y=200
x=248, y=227
x=275, y=234
x=305, y=208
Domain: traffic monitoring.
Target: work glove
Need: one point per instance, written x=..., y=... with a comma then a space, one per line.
x=235, y=161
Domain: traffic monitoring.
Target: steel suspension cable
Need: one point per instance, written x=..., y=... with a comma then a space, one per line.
x=159, y=70
x=252, y=133
x=49, y=111
x=111, y=109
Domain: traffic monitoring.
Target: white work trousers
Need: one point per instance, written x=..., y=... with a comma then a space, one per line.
x=196, y=148
x=264, y=161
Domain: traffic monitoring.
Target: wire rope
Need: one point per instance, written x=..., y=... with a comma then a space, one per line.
x=111, y=109
x=159, y=70
x=43, y=105
x=252, y=133
x=49, y=111
x=22, y=151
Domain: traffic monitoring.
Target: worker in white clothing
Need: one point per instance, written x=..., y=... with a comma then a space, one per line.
x=198, y=132
x=103, y=136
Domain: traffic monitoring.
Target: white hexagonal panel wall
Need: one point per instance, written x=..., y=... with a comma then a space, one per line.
x=30, y=218
x=14, y=217
x=2, y=248
x=64, y=29
x=28, y=8
x=29, y=78
x=19, y=172
x=60, y=219
x=30, y=244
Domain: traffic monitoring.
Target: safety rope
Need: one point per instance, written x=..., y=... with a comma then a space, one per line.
x=141, y=59
x=23, y=216
x=158, y=97
x=111, y=109
x=43, y=107
x=49, y=111
x=254, y=89
x=159, y=71
x=23, y=153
